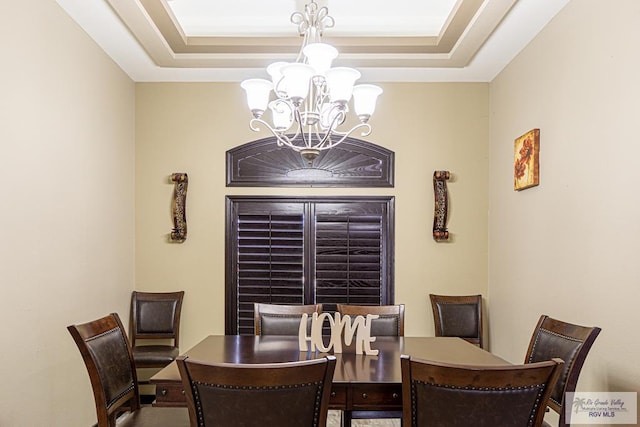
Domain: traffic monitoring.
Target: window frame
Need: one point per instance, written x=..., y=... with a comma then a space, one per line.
x=384, y=206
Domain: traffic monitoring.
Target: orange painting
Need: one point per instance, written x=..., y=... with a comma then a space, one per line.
x=526, y=168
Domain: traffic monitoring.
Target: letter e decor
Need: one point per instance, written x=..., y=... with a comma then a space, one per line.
x=360, y=328
x=179, y=232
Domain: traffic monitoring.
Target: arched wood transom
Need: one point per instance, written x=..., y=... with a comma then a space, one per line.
x=353, y=163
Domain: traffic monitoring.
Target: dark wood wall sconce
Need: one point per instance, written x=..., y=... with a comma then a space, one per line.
x=440, y=231
x=179, y=232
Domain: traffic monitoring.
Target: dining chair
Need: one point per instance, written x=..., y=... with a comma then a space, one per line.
x=106, y=352
x=155, y=316
x=569, y=342
x=155, y=331
x=389, y=323
x=442, y=394
x=276, y=319
x=458, y=316
x=286, y=394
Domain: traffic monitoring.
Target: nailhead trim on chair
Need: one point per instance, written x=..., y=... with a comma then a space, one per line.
x=567, y=362
x=124, y=343
x=317, y=384
x=539, y=387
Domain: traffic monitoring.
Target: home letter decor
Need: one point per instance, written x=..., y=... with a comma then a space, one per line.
x=179, y=232
x=361, y=329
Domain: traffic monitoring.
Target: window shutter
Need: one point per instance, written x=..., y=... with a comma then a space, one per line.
x=307, y=250
x=348, y=259
x=269, y=268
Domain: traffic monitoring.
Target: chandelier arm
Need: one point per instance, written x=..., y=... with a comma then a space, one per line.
x=298, y=119
x=321, y=138
x=319, y=95
x=282, y=139
x=295, y=135
x=337, y=120
x=350, y=131
x=305, y=41
x=344, y=135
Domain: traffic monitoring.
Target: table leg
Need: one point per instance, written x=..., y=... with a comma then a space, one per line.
x=346, y=418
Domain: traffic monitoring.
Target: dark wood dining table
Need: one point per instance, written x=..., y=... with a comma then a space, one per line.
x=360, y=382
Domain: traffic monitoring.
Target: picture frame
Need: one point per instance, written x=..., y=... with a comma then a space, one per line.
x=526, y=163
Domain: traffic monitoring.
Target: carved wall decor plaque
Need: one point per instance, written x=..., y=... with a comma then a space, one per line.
x=181, y=182
x=440, y=231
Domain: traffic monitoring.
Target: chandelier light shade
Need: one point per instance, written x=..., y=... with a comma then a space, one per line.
x=308, y=100
x=320, y=56
x=257, y=94
x=364, y=100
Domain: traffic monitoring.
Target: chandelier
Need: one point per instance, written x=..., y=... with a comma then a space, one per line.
x=310, y=98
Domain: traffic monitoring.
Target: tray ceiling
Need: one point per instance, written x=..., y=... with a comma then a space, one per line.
x=403, y=40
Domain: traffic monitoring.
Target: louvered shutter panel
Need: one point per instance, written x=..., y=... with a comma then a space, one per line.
x=270, y=250
x=348, y=259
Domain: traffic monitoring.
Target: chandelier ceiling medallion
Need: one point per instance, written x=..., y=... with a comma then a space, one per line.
x=310, y=97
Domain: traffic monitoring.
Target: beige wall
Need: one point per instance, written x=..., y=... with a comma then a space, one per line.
x=67, y=138
x=189, y=127
x=569, y=247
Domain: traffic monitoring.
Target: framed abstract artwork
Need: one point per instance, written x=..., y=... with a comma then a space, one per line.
x=526, y=167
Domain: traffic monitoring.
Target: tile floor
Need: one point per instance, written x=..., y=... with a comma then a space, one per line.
x=334, y=421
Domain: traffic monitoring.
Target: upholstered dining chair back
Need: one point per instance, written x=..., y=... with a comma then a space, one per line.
x=275, y=319
x=458, y=316
x=105, y=350
x=569, y=342
x=288, y=394
x=155, y=316
x=389, y=323
x=440, y=394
